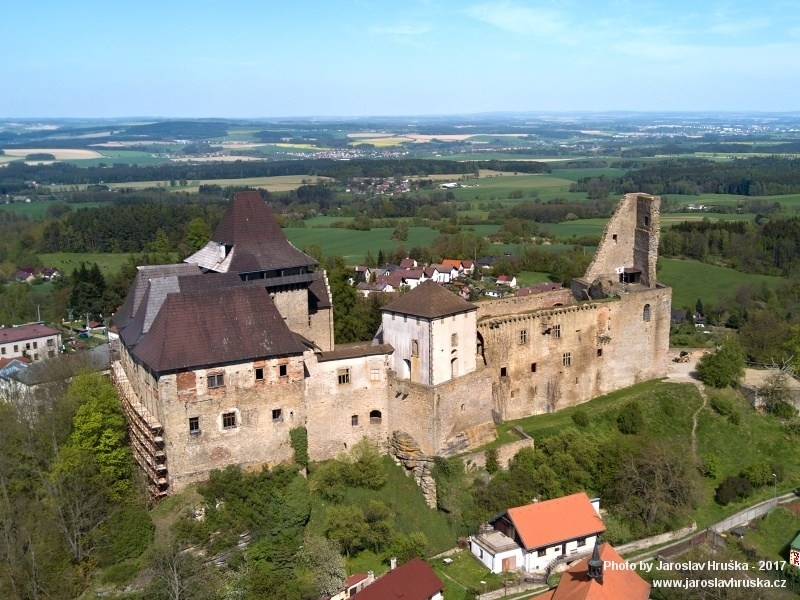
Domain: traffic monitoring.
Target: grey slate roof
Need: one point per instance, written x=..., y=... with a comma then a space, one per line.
x=213, y=327
x=139, y=287
x=429, y=300
x=249, y=240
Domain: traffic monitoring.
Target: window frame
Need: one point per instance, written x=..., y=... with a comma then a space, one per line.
x=215, y=380
x=566, y=359
x=194, y=425
x=523, y=336
x=343, y=375
x=230, y=420
x=277, y=415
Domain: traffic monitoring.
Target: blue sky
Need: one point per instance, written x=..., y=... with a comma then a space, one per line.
x=238, y=58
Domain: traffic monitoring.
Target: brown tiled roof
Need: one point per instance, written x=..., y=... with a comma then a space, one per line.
x=257, y=241
x=575, y=583
x=355, y=350
x=213, y=327
x=414, y=580
x=25, y=332
x=542, y=524
x=429, y=300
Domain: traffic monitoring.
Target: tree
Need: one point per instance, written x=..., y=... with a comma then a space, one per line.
x=400, y=233
x=198, y=233
x=657, y=487
x=322, y=559
x=722, y=368
x=346, y=525
x=630, y=420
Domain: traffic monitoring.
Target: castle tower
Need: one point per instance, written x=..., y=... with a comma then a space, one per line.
x=433, y=333
x=248, y=241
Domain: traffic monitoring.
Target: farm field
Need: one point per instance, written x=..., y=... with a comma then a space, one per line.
x=691, y=280
x=353, y=245
x=38, y=209
x=281, y=183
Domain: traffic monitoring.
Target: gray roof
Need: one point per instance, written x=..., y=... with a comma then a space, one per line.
x=429, y=300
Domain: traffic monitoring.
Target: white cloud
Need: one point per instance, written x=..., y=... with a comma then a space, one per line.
x=520, y=19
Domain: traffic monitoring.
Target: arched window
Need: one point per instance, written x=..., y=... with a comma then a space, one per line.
x=375, y=417
x=646, y=313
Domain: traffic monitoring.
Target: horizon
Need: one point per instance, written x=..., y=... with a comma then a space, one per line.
x=345, y=58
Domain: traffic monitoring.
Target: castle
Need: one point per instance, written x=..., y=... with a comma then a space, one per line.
x=221, y=356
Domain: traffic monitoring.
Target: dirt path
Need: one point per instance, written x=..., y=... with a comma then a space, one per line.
x=684, y=372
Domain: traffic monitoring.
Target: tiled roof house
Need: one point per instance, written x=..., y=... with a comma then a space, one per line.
x=413, y=580
x=540, y=534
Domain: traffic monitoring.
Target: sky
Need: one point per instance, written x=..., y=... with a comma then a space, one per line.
x=343, y=58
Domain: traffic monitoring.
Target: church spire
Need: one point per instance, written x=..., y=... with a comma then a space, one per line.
x=596, y=565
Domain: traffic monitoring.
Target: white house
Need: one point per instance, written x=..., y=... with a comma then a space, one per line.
x=33, y=341
x=539, y=535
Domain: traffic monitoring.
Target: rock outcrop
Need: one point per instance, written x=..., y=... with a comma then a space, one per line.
x=406, y=451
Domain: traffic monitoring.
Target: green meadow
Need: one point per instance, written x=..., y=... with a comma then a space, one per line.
x=691, y=280
x=66, y=262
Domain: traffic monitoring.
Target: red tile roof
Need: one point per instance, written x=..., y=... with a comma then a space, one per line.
x=429, y=300
x=616, y=584
x=414, y=580
x=542, y=524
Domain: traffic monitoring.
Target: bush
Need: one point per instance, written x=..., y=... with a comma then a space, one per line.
x=492, y=463
x=758, y=474
x=724, y=407
x=580, y=417
x=299, y=440
x=723, y=368
x=710, y=466
x=732, y=489
x=783, y=410
x=630, y=420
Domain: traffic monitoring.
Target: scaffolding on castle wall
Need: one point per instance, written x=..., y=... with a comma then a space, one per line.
x=146, y=434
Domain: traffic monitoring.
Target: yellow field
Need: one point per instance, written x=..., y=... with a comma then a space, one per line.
x=59, y=153
x=283, y=183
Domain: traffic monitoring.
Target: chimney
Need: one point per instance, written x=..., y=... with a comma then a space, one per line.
x=393, y=563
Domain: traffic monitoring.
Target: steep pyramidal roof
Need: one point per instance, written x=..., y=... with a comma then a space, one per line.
x=249, y=240
x=429, y=300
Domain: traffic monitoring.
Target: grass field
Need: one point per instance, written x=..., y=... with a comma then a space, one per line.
x=353, y=245
x=38, y=209
x=66, y=262
x=691, y=280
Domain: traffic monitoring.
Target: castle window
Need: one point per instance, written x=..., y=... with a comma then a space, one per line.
x=414, y=348
x=614, y=237
x=16, y=348
x=599, y=352
x=375, y=417
x=647, y=221
x=453, y=340
x=277, y=415
x=523, y=336
x=3, y=351
x=283, y=370
x=343, y=375
x=556, y=331
x=194, y=425
x=646, y=313
x=567, y=359
x=543, y=551
x=354, y=420
x=35, y=345
x=216, y=381
x=581, y=542
x=533, y=367
x=375, y=374
x=228, y=420
x=259, y=373
x=503, y=371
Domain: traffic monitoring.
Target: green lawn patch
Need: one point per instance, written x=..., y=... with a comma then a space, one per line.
x=66, y=262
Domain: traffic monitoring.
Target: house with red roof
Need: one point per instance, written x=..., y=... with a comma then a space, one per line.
x=508, y=280
x=414, y=580
x=604, y=576
x=537, y=536
x=352, y=585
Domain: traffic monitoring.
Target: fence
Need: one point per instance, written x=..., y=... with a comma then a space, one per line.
x=745, y=516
